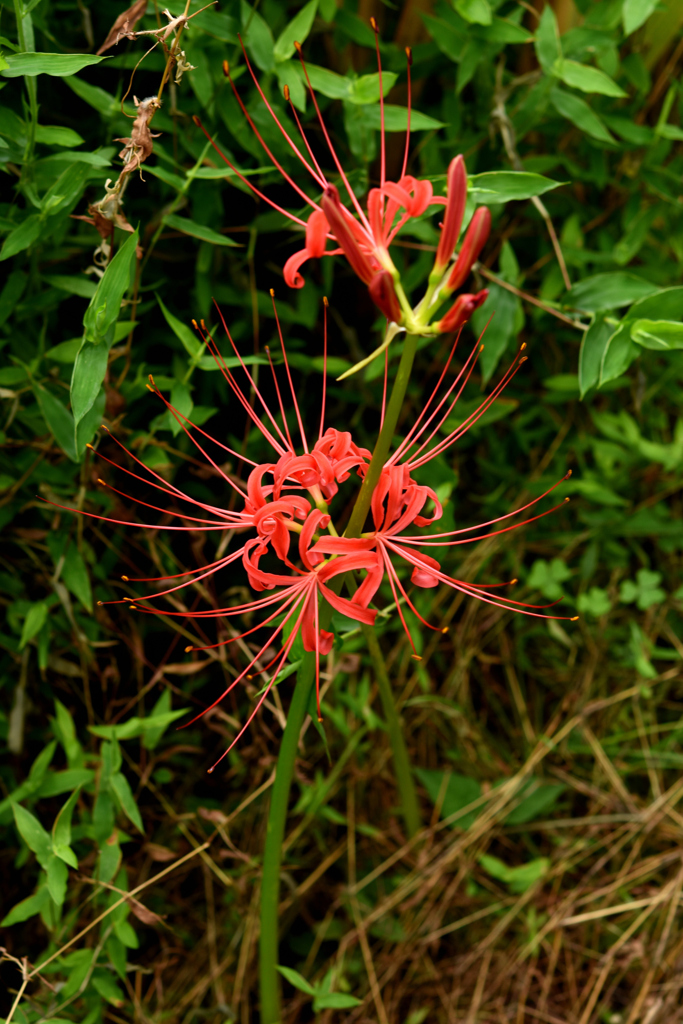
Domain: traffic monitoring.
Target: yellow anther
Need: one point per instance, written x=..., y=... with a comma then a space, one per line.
x=297, y=47
x=522, y=346
x=512, y=582
x=101, y=481
x=409, y=55
x=286, y=92
x=226, y=69
x=125, y=578
x=100, y=603
x=373, y=25
x=575, y=619
x=195, y=324
x=325, y=302
x=416, y=657
x=203, y=324
x=188, y=649
x=444, y=629
x=89, y=446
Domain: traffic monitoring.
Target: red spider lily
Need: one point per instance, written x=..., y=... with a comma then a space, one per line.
x=287, y=499
x=364, y=235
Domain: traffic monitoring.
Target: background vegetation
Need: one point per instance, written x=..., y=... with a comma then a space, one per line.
x=547, y=883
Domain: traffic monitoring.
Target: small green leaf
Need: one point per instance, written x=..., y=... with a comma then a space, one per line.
x=635, y=13
x=547, y=40
x=35, y=619
x=585, y=78
x=190, y=227
x=124, y=794
x=74, y=285
x=548, y=577
x=57, y=135
x=645, y=590
x=28, y=908
x=517, y=879
x=61, y=830
x=477, y=12
x=594, y=602
x=660, y=335
x=591, y=353
x=504, y=186
x=257, y=37
x=458, y=793
x=535, y=802
x=297, y=980
x=335, y=1001
x=33, y=834
x=396, y=119
x=329, y=83
x=21, y=237
x=366, y=88
x=59, y=65
x=578, y=113
x=185, y=334
x=296, y=31
x=619, y=353
x=608, y=291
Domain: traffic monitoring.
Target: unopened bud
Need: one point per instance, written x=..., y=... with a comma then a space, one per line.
x=475, y=237
x=455, y=210
x=461, y=310
x=383, y=294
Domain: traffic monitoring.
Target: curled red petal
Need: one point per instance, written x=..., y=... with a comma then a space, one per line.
x=338, y=219
x=316, y=234
x=291, y=269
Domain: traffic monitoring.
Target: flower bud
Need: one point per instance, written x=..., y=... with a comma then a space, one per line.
x=461, y=310
x=477, y=233
x=383, y=294
x=455, y=209
x=342, y=226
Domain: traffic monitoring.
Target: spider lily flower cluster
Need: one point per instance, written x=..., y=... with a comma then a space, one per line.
x=294, y=557
x=364, y=234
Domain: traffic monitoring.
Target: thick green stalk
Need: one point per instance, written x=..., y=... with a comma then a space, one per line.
x=404, y=775
x=269, y=979
x=384, y=441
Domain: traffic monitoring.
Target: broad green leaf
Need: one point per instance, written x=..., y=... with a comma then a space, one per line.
x=124, y=794
x=517, y=879
x=335, y=1001
x=27, y=908
x=257, y=37
x=497, y=319
x=21, y=237
x=11, y=293
x=578, y=113
x=608, y=291
x=666, y=304
x=660, y=335
x=105, y=304
x=536, y=801
x=297, y=980
x=88, y=373
x=56, y=64
x=151, y=737
x=366, y=88
x=585, y=78
x=66, y=190
x=76, y=576
x=590, y=355
x=635, y=13
x=104, y=984
x=74, y=285
x=56, y=783
x=477, y=12
x=105, y=104
x=190, y=227
x=136, y=726
x=55, y=135
x=33, y=623
x=504, y=186
x=86, y=429
x=296, y=31
x=329, y=83
x=57, y=877
x=109, y=858
x=458, y=793
x=61, y=830
x=185, y=334
x=33, y=834
x=619, y=353
x=65, y=352
x=396, y=119
x=547, y=40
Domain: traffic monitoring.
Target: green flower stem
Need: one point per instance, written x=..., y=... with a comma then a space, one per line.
x=269, y=979
x=27, y=45
x=404, y=775
x=386, y=436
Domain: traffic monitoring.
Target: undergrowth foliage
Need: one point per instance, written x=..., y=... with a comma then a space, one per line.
x=545, y=882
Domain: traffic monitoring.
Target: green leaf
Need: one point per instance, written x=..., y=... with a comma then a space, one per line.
x=537, y=801
x=104, y=984
x=74, y=285
x=608, y=291
x=33, y=834
x=459, y=792
x=184, y=333
x=22, y=237
x=109, y=857
x=396, y=119
x=190, y=227
x=366, y=88
x=578, y=113
x=124, y=794
x=619, y=353
x=645, y=590
x=105, y=304
x=297, y=980
x=88, y=373
x=29, y=907
x=585, y=78
x=635, y=13
x=75, y=575
x=477, y=12
x=162, y=708
x=666, y=304
x=335, y=1001
x=36, y=618
x=595, y=602
x=504, y=186
x=105, y=104
x=61, y=830
x=11, y=293
x=591, y=353
x=257, y=37
x=548, y=577
x=136, y=726
x=65, y=191
x=86, y=429
x=547, y=40
x=660, y=335
x=57, y=877
x=296, y=31
x=329, y=83
x=59, y=65
x=517, y=879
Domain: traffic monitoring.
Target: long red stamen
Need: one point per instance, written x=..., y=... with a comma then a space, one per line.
x=383, y=154
x=322, y=404
x=289, y=374
x=409, y=55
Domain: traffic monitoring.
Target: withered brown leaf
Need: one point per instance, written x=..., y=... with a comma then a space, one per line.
x=124, y=25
